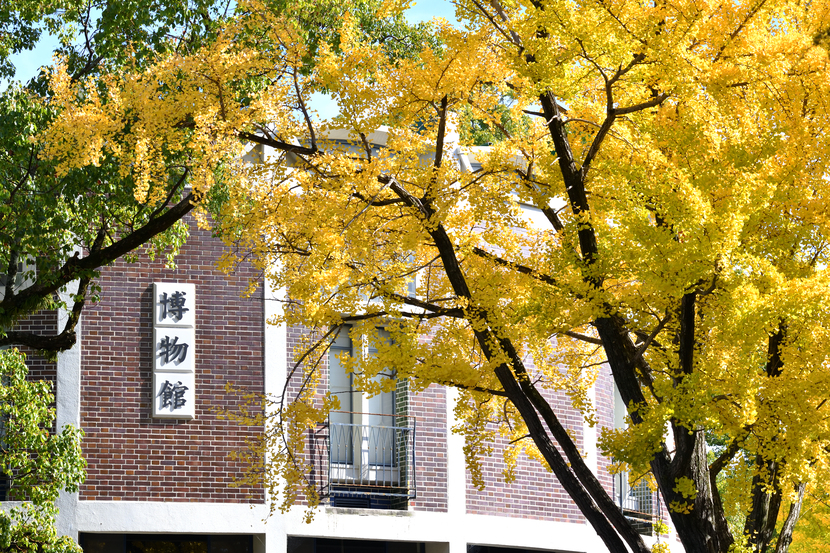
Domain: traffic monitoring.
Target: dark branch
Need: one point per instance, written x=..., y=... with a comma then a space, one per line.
x=278, y=145
x=724, y=459
x=500, y=393
x=656, y=101
x=515, y=266
x=578, y=336
x=80, y=267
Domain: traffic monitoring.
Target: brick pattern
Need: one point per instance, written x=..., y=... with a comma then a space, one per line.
x=316, y=455
x=45, y=323
x=430, y=412
x=132, y=456
x=535, y=493
x=40, y=368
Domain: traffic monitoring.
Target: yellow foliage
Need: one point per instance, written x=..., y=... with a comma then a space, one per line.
x=699, y=136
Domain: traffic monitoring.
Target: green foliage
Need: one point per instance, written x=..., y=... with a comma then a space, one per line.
x=483, y=129
x=39, y=463
x=45, y=217
x=23, y=21
x=50, y=214
x=98, y=34
x=319, y=22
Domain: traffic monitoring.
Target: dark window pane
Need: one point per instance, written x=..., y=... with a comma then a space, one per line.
x=300, y=545
x=231, y=544
x=166, y=544
x=102, y=543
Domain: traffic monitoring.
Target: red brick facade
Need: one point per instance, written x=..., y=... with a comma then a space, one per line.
x=132, y=456
x=535, y=493
x=44, y=323
x=430, y=412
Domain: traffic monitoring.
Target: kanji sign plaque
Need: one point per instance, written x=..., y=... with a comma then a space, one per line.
x=174, y=350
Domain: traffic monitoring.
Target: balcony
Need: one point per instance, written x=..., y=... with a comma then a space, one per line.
x=636, y=502
x=367, y=465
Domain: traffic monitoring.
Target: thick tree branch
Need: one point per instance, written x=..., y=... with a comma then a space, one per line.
x=641, y=349
x=79, y=267
x=578, y=336
x=766, y=503
x=724, y=459
x=11, y=273
x=278, y=145
x=785, y=537
x=686, y=350
x=607, y=520
x=515, y=266
x=656, y=101
x=597, y=142
x=775, y=363
x=574, y=181
x=585, y=475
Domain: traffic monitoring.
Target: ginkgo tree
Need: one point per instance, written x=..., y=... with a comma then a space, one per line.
x=677, y=153
x=63, y=219
x=66, y=212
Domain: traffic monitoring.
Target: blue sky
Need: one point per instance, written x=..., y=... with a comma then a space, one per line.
x=28, y=63
x=418, y=11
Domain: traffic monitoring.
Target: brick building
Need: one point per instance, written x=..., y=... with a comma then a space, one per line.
x=145, y=381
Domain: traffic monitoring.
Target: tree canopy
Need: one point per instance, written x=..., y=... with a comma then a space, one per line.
x=676, y=155
x=80, y=188
x=62, y=217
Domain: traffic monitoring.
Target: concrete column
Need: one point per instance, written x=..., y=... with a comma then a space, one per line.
x=276, y=374
x=456, y=478
x=68, y=400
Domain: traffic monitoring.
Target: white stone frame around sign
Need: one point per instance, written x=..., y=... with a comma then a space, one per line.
x=181, y=336
x=188, y=319
x=188, y=410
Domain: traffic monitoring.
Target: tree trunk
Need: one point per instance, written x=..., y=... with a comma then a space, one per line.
x=704, y=528
x=760, y=522
x=786, y=536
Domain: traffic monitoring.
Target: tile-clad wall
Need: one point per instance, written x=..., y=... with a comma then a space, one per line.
x=535, y=493
x=131, y=456
x=45, y=323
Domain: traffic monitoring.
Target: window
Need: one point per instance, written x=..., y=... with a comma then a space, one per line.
x=24, y=278
x=636, y=501
x=364, y=424
x=370, y=439
x=324, y=545
x=166, y=543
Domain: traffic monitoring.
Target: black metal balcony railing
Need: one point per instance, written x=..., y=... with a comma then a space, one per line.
x=636, y=502
x=371, y=465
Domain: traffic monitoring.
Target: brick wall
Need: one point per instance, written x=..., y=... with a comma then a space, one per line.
x=430, y=412
x=131, y=456
x=45, y=323
x=535, y=493
x=297, y=341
